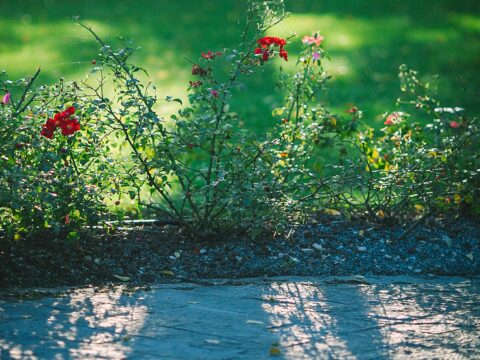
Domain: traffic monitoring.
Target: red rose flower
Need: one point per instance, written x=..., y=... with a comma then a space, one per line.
x=47, y=132
x=265, y=47
x=70, y=126
x=63, y=121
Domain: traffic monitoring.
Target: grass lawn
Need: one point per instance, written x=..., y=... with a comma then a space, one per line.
x=367, y=41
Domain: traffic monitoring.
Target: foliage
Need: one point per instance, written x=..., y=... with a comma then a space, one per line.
x=422, y=162
x=46, y=185
x=68, y=149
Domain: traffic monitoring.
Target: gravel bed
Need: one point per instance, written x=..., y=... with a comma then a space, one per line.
x=329, y=246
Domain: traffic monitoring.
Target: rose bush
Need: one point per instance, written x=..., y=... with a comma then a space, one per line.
x=47, y=182
x=70, y=149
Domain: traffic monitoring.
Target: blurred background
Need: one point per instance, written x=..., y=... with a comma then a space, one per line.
x=366, y=40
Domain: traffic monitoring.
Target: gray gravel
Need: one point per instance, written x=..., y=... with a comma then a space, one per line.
x=330, y=247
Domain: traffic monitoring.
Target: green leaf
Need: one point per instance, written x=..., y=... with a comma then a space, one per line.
x=171, y=98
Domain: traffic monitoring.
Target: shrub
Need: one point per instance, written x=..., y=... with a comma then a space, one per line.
x=70, y=149
x=46, y=178
x=199, y=167
x=421, y=163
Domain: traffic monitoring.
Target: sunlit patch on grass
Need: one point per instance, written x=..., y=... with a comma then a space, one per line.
x=59, y=48
x=466, y=21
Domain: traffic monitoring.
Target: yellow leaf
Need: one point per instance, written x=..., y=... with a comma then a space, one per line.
x=332, y=212
x=381, y=214
x=333, y=121
x=361, y=233
x=457, y=198
x=277, y=112
x=375, y=154
x=167, y=273
x=419, y=207
x=275, y=351
x=17, y=236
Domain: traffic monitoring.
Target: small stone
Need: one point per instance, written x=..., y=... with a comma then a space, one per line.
x=338, y=260
x=173, y=258
x=203, y=251
x=281, y=255
x=410, y=268
x=388, y=256
x=317, y=247
x=469, y=256
x=97, y=261
x=177, y=254
x=447, y=240
x=238, y=258
x=417, y=271
x=87, y=258
x=361, y=233
x=307, y=251
x=361, y=248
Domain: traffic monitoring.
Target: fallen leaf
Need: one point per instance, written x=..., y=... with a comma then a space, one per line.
x=255, y=322
x=212, y=341
x=167, y=273
x=361, y=233
x=275, y=351
x=332, y=212
x=122, y=278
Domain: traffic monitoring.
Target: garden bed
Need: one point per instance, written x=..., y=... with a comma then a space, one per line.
x=328, y=246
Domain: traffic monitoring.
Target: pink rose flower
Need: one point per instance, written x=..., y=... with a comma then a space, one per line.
x=391, y=119
x=309, y=40
x=6, y=98
x=454, y=124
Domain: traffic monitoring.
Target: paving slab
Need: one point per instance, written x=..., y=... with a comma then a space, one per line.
x=286, y=318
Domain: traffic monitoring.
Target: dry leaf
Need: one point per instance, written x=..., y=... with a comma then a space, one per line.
x=122, y=278
x=332, y=212
x=212, y=341
x=275, y=351
x=167, y=273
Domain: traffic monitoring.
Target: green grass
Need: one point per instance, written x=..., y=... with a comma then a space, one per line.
x=367, y=41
